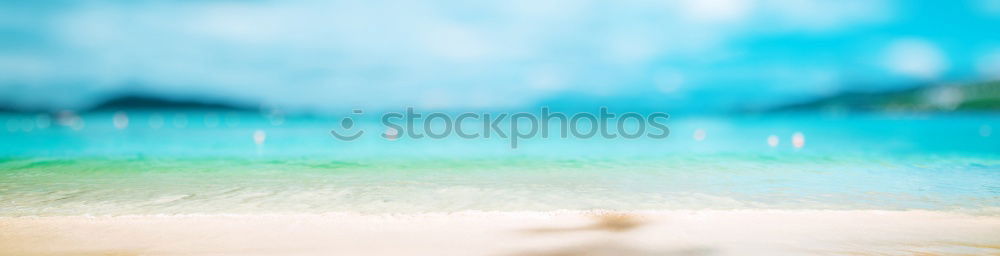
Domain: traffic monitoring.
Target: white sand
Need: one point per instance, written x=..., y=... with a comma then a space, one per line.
x=739, y=232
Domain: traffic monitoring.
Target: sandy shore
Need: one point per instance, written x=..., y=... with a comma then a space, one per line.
x=738, y=232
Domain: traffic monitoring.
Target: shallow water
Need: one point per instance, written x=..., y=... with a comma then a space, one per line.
x=914, y=162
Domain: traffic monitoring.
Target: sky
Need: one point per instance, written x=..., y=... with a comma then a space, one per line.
x=327, y=56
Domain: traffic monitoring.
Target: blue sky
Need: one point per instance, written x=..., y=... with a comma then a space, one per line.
x=332, y=55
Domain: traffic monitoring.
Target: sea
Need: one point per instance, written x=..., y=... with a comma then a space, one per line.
x=147, y=162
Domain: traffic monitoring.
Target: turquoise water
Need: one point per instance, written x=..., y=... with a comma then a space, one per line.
x=185, y=163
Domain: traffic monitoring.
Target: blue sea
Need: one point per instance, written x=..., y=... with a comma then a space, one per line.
x=203, y=162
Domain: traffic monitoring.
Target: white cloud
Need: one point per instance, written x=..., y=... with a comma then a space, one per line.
x=456, y=42
x=916, y=58
x=716, y=11
x=24, y=68
x=631, y=47
x=668, y=81
x=823, y=15
x=990, y=7
x=547, y=78
x=391, y=53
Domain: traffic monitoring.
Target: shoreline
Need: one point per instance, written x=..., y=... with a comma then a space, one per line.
x=677, y=232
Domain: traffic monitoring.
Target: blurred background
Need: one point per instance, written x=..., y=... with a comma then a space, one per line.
x=227, y=106
x=697, y=56
x=278, y=65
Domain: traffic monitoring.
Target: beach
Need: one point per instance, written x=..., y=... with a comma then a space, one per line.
x=211, y=191
x=695, y=232
x=500, y=128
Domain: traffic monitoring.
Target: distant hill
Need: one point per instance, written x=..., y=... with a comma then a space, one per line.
x=145, y=102
x=969, y=97
x=5, y=109
x=15, y=110
x=133, y=102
